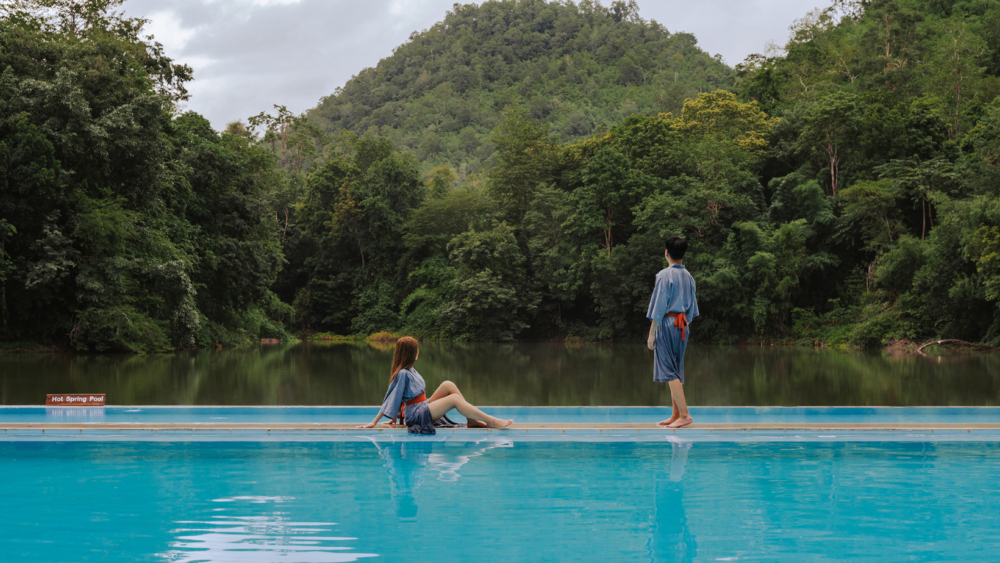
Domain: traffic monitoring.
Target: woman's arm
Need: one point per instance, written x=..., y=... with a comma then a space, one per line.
x=393, y=398
x=372, y=423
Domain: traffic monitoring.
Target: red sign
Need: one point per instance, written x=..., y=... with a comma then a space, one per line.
x=75, y=400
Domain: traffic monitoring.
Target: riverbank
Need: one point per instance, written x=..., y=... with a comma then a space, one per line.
x=385, y=340
x=28, y=348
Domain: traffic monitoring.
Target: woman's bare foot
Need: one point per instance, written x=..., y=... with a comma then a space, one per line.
x=497, y=423
x=668, y=422
x=681, y=422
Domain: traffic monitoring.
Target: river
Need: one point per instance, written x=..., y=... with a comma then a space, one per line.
x=525, y=374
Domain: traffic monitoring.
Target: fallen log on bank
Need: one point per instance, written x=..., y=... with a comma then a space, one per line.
x=920, y=350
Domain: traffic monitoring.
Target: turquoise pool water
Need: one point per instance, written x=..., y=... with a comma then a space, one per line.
x=500, y=500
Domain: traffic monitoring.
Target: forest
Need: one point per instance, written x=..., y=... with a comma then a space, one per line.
x=511, y=173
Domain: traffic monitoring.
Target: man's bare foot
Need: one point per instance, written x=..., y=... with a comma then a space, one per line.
x=681, y=422
x=497, y=423
x=668, y=422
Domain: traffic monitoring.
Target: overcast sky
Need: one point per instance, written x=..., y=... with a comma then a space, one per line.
x=250, y=54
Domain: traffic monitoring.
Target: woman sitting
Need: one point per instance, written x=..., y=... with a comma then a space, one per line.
x=406, y=397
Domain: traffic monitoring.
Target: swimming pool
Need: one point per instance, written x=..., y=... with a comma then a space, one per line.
x=87, y=492
x=499, y=500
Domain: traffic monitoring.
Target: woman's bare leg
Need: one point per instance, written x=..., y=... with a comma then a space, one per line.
x=443, y=390
x=441, y=407
x=448, y=389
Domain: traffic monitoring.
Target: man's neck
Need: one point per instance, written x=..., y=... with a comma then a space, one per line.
x=673, y=262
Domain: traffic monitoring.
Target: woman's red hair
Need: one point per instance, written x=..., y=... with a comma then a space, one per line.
x=404, y=356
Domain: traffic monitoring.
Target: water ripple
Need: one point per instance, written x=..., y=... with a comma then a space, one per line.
x=271, y=538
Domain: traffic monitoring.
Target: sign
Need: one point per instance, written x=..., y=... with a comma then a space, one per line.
x=75, y=400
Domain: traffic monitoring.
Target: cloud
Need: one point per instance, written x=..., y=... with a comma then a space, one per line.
x=248, y=55
x=167, y=29
x=731, y=28
x=251, y=54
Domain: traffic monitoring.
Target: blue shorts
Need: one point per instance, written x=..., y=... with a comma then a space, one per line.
x=668, y=353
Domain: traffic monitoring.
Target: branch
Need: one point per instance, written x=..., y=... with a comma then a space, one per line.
x=920, y=350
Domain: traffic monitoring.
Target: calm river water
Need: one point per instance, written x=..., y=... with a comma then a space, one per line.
x=535, y=374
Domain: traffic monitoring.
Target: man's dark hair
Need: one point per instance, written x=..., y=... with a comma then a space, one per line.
x=676, y=247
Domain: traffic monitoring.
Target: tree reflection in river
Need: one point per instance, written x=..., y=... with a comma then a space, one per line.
x=525, y=374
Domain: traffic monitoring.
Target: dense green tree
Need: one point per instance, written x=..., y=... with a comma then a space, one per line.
x=349, y=237
x=830, y=130
x=525, y=159
x=552, y=253
x=127, y=228
x=429, y=274
x=441, y=181
x=491, y=298
x=604, y=202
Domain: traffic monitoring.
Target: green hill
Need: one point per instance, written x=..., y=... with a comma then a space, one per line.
x=580, y=68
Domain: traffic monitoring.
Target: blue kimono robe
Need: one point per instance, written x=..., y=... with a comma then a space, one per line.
x=674, y=293
x=407, y=385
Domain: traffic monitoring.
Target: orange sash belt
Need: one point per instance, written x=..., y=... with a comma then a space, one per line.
x=680, y=321
x=418, y=399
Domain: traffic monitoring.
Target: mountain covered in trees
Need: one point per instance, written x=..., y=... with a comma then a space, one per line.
x=511, y=173
x=580, y=68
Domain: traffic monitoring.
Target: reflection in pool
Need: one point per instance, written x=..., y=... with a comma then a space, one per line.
x=669, y=534
x=407, y=462
x=271, y=538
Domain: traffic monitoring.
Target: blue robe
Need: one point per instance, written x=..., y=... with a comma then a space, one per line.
x=407, y=385
x=674, y=293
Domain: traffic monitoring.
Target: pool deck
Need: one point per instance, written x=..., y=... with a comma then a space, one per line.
x=527, y=426
x=531, y=423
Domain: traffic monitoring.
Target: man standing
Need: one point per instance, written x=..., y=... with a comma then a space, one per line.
x=671, y=308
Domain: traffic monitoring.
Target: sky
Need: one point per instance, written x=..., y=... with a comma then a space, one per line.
x=248, y=55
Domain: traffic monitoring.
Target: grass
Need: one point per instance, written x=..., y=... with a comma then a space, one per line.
x=382, y=336
x=330, y=337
